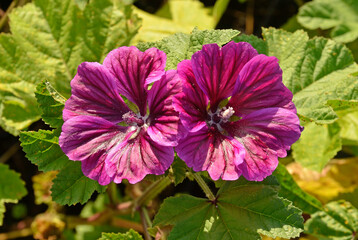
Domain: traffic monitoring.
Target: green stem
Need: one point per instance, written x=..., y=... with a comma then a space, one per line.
x=112, y=193
x=152, y=191
x=209, y=194
x=3, y=20
x=102, y=218
x=147, y=218
x=8, y=154
x=144, y=223
x=26, y=232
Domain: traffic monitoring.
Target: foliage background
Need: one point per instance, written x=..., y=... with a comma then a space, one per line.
x=337, y=180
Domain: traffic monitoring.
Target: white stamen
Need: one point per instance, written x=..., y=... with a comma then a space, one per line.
x=227, y=113
x=221, y=115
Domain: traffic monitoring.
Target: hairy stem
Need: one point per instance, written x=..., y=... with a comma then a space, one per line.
x=112, y=193
x=4, y=18
x=147, y=217
x=8, y=154
x=209, y=194
x=123, y=223
x=16, y=234
x=249, y=28
x=152, y=191
x=100, y=219
x=144, y=223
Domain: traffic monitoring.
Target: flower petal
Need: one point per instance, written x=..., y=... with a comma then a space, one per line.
x=266, y=134
x=191, y=103
x=260, y=86
x=260, y=161
x=135, y=70
x=216, y=70
x=209, y=150
x=95, y=91
x=136, y=157
x=164, y=120
x=87, y=139
x=94, y=168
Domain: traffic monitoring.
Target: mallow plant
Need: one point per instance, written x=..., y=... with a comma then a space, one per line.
x=187, y=137
x=224, y=111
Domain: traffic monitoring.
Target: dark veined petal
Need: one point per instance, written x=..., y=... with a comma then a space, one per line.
x=95, y=92
x=216, y=70
x=266, y=134
x=260, y=86
x=164, y=120
x=191, y=103
x=137, y=156
x=135, y=70
x=111, y=152
x=94, y=168
x=88, y=139
x=209, y=150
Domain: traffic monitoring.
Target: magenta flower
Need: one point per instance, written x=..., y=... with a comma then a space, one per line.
x=239, y=116
x=113, y=140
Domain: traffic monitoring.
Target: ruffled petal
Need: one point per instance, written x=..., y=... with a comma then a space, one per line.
x=266, y=135
x=95, y=92
x=209, y=150
x=88, y=139
x=260, y=161
x=135, y=70
x=260, y=86
x=94, y=168
x=163, y=119
x=136, y=157
x=191, y=103
x=216, y=70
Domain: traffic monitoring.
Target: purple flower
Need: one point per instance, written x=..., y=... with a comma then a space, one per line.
x=115, y=140
x=239, y=116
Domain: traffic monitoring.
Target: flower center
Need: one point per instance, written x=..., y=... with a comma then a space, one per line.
x=133, y=119
x=219, y=116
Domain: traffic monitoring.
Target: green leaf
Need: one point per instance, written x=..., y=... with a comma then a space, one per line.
x=317, y=145
x=259, y=44
x=316, y=71
x=181, y=46
x=41, y=183
x=49, y=40
x=353, y=46
x=343, y=105
x=51, y=103
x=351, y=197
x=71, y=186
x=291, y=191
x=341, y=15
x=93, y=207
x=90, y=232
x=130, y=235
x=339, y=221
x=178, y=171
x=181, y=17
x=349, y=128
x=243, y=210
x=12, y=188
x=18, y=106
x=42, y=149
